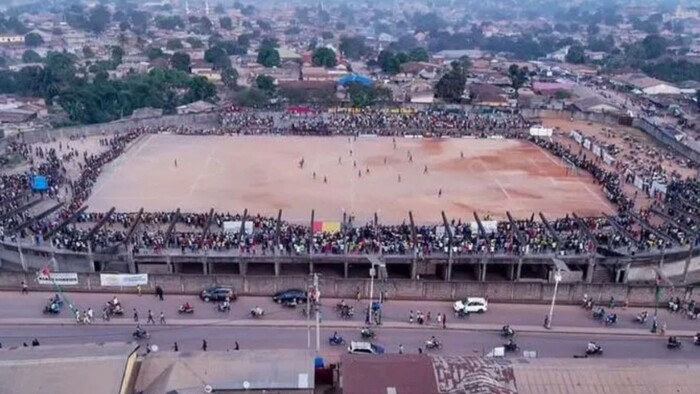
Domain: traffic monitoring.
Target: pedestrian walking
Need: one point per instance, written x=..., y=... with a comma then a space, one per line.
x=420, y=350
x=136, y=316
x=440, y=193
x=439, y=318
x=662, y=332
x=444, y=321
x=138, y=290
x=314, y=175
x=325, y=180
x=159, y=292
x=175, y=163
x=175, y=347
x=25, y=289
x=150, y=318
x=400, y=349
x=425, y=169
x=35, y=342
x=162, y=317
x=611, y=304
x=410, y=317
x=358, y=294
x=236, y=346
x=204, y=345
x=427, y=317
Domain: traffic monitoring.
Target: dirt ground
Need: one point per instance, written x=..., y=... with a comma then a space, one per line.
x=263, y=174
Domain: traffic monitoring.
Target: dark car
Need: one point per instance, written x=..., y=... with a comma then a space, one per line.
x=217, y=293
x=289, y=296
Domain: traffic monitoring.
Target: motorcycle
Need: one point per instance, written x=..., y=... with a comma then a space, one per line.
x=507, y=332
x=257, y=312
x=52, y=308
x=367, y=332
x=347, y=312
x=185, y=309
x=674, y=344
x=510, y=346
x=596, y=350
x=141, y=334
x=336, y=340
x=114, y=309
x=696, y=340
x=432, y=344
x=674, y=306
x=610, y=319
x=224, y=307
x=599, y=313
x=642, y=317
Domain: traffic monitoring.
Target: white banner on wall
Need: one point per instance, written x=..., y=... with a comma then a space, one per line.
x=587, y=144
x=597, y=151
x=235, y=227
x=607, y=158
x=60, y=278
x=123, y=280
x=576, y=136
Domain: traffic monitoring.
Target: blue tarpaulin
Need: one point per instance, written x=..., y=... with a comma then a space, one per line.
x=350, y=78
x=39, y=183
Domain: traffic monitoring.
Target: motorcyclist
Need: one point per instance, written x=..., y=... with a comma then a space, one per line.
x=186, y=306
x=225, y=305
x=592, y=347
x=510, y=344
x=115, y=302
x=696, y=339
x=433, y=341
x=642, y=317
x=673, y=341
x=257, y=311
x=507, y=330
x=336, y=337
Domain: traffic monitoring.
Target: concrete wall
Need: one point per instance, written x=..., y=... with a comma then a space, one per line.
x=658, y=135
x=514, y=292
x=201, y=120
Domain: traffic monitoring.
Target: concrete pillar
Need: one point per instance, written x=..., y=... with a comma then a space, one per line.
x=346, y=270
x=205, y=266
x=130, y=259
x=311, y=266
x=687, y=261
x=483, y=270
x=278, y=268
x=21, y=256
x=54, y=263
x=589, y=272
x=243, y=268
x=511, y=272
x=625, y=277
x=448, y=273
x=169, y=263
x=520, y=267
x=91, y=257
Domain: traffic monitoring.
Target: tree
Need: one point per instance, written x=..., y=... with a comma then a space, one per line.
x=124, y=26
x=33, y=39
x=697, y=98
x=87, y=52
x=30, y=56
x=99, y=18
x=139, y=20
x=173, y=22
x=265, y=83
x=229, y=77
x=173, y=44
x=450, y=87
x=194, y=42
x=353, y=47
x=200, y=89
x=366, y=95
x=326, y=35
x=263, y=25
x=268, y=56
x=117, y=55
x=575, y=55
x=389, y=62
x=562, y=94
x=418, y=54
x=217, y=56
x=154, y=53
x=219, y=9
x=654, y=46
x=427, y=22
x=244, y=40
x=324, y=57
x=226, y=23
x=518, y=76
x=309, y=94
x=180, y=61
x=270, y=42
x=254, y=98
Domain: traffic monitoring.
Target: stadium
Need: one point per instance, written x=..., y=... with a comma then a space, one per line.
x=447, y=195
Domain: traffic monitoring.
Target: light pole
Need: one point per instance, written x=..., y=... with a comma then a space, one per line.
x=557, y=279
x=372, y=273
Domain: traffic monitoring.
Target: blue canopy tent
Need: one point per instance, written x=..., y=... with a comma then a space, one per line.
x=39, y=183
x=350, y=78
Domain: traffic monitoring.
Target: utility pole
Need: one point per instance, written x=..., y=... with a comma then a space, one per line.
x=317, y=294
x=313, y=297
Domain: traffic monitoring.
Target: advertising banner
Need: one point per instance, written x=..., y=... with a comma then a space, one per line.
x=123, y=280
x=60, y=278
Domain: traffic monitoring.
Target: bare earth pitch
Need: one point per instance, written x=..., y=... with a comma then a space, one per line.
x=263, y=174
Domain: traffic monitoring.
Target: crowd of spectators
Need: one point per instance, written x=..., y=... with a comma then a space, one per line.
x=191, y=233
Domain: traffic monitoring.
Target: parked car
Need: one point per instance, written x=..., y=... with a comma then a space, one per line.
x=290, y=295
x=364, y=348
x=472, y=305
x=217, y=293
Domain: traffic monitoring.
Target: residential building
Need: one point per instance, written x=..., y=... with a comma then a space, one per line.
x=645, y=84
x=10, y=39
x=595, y=104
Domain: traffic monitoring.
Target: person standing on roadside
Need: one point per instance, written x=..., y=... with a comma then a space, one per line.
x=150, y=318
x=204, y=345
x=162, y=317
x=25, y=289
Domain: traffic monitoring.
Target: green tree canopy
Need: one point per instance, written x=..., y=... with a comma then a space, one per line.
x=180, y=61
x=99, y=18
x=229, y=77
x=29, y=56
x=324, y=57
x=226, y=23
x=364, y=96
x=33, y=40
x=194, y=42
x=353, y=47
x=450, y=87
x=87, y=52
x=418, y=54
x=268, y=56
x=265, y=83
x=518, y=76
x=575, y=55
x=173, y=44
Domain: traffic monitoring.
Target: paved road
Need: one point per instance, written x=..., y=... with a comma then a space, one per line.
x=15, y=305
x=456, y=342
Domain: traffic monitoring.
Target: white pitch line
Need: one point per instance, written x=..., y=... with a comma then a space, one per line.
x=599, y=198
x=202, y=173
x=495, y=180
x=545, y=154
x=503, y=189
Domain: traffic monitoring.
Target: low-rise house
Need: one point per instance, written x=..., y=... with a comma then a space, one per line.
x=645, y=84
x=595, y=104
